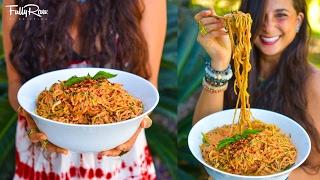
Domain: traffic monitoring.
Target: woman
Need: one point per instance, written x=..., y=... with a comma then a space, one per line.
x=281, y=78
x=126, y=35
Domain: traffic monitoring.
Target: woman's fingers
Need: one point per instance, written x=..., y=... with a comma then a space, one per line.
x=202, y=14
x=209, y=24
x=210, y=20
x=111, y=152
x=215, y=27
x=30, y=122
x=53, y=148
x=32, y=130
x=146, y=122
x=122, y=148
x=125, y=147
x=37, y=137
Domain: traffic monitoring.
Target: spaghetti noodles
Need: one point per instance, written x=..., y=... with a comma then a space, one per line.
x=88, y=102
x=239, y=26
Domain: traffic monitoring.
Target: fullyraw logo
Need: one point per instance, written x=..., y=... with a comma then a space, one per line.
x=27, y=10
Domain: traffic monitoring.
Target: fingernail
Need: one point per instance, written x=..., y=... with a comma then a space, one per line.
x=100, y=155
x=148, y=123
x=208, y=12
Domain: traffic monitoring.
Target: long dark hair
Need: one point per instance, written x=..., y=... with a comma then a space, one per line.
x=284, y=91
x=44, y=44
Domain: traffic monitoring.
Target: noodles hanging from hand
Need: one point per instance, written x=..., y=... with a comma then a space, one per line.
x=247, y=147
x=239, y=26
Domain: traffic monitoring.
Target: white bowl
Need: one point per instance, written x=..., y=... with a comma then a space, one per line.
x=299, y=138
x=88, y=138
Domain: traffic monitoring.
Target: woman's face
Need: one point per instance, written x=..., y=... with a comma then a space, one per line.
x=279, y=27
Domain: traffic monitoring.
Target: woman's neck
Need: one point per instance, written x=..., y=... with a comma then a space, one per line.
x=268, y=65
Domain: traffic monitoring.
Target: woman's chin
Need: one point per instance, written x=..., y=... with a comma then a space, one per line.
x=270, y=51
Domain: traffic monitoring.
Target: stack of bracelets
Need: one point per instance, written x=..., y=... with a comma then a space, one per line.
x=216, y=81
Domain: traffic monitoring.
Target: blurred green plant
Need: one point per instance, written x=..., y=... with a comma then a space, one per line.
x=162, y=141
x=190, y=74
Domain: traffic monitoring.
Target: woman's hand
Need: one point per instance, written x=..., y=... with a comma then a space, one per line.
x=214, y=39
x=36, y=136
x=125, y=147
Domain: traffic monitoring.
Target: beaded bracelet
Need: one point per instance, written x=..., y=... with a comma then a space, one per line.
x=214, y=82
x=214, y=89
x=224, y=75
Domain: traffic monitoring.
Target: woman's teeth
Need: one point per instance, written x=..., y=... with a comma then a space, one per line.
x=270, y=39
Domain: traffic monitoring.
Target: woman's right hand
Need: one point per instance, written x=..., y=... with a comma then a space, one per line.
x=216, y=40
x=36, y=136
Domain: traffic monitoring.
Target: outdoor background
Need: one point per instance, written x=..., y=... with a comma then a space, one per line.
x=179, y=86
x=191, y=70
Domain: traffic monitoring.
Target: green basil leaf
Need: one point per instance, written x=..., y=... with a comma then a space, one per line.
x=204, y=138
x=226, y=141
x=103, y=74
x=99, y=75
x=249, y=131
x=74, y=80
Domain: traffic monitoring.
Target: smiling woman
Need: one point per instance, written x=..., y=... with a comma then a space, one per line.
x=280, y=26
x=281, y=80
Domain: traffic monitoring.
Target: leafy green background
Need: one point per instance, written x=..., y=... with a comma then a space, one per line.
x=191, y=65
x=161, y=136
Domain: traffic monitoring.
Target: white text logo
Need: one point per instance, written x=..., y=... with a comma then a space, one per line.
x=27, y=10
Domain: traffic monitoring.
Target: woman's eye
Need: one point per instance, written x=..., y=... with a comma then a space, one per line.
x=281, y=15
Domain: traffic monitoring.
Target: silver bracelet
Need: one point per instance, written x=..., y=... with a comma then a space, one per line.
x=217, y=78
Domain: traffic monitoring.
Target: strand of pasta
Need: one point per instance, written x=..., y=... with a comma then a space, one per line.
x=239, y=26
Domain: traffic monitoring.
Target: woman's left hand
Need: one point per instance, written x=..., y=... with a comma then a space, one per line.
x=125, y=147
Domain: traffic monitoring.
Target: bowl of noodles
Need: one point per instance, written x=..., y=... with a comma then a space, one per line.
x=88, y=109
x=272, y=147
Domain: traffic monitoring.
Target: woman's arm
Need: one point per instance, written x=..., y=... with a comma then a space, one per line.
x=13, y=77
x=216, y=43
x=154, y=23
x=313, y=100
x=208, y=103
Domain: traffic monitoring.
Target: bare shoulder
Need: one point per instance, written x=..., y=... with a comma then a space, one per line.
x=313, y=83
x=313, y=95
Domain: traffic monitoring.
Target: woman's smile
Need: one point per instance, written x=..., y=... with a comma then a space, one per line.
x=269, y=40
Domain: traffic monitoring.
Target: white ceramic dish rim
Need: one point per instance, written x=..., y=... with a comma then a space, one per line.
x=98, y=125
x=255, y=177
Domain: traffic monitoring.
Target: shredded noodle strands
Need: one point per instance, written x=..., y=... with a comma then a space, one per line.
x=88, y=102
x=267, y=152
x=249, y=147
